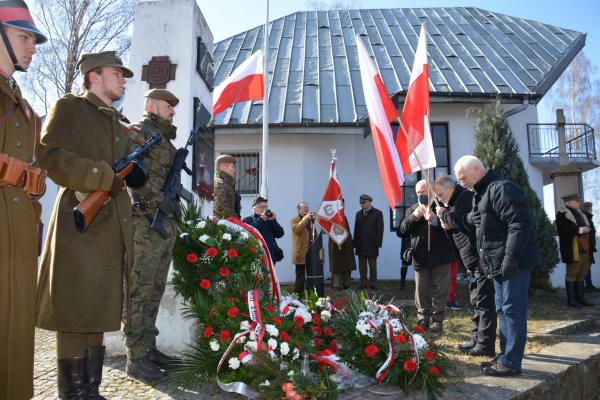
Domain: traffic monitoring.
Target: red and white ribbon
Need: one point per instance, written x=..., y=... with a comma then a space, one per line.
x=234, y=387
x=384, y=370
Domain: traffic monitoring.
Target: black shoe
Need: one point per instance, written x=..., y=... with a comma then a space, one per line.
x=373, y=287
x=580, y=295
x=493, y=361
x=478, y=351
x=423, y=324
x=500, y=370
x=145, y=370
x=437, y=327
x=161, y=359
x=453, y=305
x=571, y=299
x=71, y=378
x=464, y=347
x=362, y=286
x=403, y=284
x=94, y=359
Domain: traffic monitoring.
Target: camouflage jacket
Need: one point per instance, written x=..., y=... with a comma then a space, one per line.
x=224, y=206
x=159, y=160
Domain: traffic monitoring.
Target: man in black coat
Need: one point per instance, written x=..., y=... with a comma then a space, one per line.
x=432, y=255
x=368, y=237
x=458, y=203
x=265, y=221
x=508, y=251
x=587, y=211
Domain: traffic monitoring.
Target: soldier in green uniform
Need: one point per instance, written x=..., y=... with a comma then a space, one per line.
x=81, y=278
x=19, y=206
x=224, y=187
x=151, y=252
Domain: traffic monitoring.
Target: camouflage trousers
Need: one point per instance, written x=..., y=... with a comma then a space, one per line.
x=151, y=261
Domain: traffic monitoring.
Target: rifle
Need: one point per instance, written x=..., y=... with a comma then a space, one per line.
x=173, y=189
x=128, y=168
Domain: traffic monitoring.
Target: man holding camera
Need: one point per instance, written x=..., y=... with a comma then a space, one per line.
x=265, y=221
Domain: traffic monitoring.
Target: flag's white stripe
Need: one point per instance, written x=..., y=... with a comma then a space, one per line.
x=253, y=65
x=420, y=55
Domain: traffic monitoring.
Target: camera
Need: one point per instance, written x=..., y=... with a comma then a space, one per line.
x=311, y=216
x=268, y=213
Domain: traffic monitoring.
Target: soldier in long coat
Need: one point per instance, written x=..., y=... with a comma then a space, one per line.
x=19, y=206
x=80, y=293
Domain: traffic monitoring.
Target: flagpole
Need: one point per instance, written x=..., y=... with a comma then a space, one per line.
x=265, y=118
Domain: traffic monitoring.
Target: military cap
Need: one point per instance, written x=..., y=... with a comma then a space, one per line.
x=16, y=14
x=587, y=204
x=224, y=159
x=162, y=94
x=366, y=197
x=89, y=62
x=570, y=197
x=258, y=200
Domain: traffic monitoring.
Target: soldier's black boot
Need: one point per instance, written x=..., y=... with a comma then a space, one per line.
x=71, y=378
x=161, y=359
x=571, y=301
x=145, y=370
x=94, y=359
x=580, y=294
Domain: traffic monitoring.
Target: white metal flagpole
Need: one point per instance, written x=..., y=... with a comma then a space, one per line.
x=265, y=118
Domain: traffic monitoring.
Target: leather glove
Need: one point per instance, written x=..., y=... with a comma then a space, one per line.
x=474, y=218
x=116, y=187
x=510, y=265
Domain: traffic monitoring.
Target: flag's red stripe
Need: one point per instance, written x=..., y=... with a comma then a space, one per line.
x=389, y=177
x=11, y=14
x=390, y=111
x=250, y=87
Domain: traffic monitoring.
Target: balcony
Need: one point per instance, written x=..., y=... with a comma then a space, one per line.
x=544, y=151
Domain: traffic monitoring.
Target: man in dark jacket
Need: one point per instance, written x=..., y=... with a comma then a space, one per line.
x=265, y=221
x=573, y=230
x=508, y=251
x=368, y=237
x=432, y=255
x=587, y=211
x=459, y=202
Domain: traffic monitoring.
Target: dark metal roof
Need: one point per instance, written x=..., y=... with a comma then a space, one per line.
x=314, y=76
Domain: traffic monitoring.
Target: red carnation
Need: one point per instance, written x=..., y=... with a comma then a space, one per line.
x=232, y=300
x=328, y=331
x=317, y=330
x=435, y=370
x=224, y=272
x=317, y=342
x=284, y=336
x=232, y=253
x=299, y=320
x=401, y=339
x=208, y=332
x=328, y=366
x=204, y=284
x=212, y=252
x=429, y=355
x=233, y=312
x=316, y=320
x=225, y=336
x=277, y=321
x=270, y=308
x=253, y=325
x=192, y=258
x=333, y=347
x=252, y=249
x=371, y=350
x=410, y=365
x=419, y=329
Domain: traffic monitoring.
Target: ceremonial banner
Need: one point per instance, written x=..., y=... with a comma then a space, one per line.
x=331, y=216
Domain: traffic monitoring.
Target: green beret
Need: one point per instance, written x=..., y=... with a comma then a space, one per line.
x=89, y=62
x=162, y=94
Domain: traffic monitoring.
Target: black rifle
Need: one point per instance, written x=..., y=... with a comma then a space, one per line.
x=173, y=189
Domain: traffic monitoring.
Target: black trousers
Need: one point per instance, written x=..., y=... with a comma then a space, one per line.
x=483, y=321
x=300, y=279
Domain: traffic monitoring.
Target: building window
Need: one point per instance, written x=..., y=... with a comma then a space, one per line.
x=247, y=172
x=204, y=64
x=203, y=153
x=439, y=135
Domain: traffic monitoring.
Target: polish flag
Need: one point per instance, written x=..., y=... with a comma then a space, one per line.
x=415, y=115
x=331, y=215
x=381, y=112
x=245, y=83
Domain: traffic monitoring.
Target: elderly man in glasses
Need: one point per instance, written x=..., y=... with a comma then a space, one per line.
x=368, y=237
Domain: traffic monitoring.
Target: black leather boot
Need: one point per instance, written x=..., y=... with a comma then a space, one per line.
x=571, y=300
x=71, y=378
x=94, y=359
x=580, y=294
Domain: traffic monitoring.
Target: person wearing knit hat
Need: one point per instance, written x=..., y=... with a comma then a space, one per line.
x=20, y=208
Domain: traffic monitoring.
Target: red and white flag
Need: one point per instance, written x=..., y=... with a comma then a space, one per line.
x=415, y=115
x=381, y=112
x=245, y=83
x=331, y=216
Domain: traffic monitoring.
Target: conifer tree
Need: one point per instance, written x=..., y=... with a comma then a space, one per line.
x=497, y=148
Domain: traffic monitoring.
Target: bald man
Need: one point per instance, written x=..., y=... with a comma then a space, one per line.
x=508, y=252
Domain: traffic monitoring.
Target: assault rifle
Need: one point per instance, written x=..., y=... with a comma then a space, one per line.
x=129, y=168
x=173, y=189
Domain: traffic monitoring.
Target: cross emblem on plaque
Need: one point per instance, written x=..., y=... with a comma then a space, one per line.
x=158, y=72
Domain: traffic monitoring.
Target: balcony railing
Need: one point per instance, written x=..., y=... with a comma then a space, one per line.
x=543, y=141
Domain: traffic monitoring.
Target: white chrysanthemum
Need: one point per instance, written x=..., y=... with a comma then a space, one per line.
x=184, y=235
x=204, y=238
x=251, y=346
x=252, y=335
x=272, y=343
x=244, y=325
x=234, y=363
x=244, y=235
x=226, y=236
x=242, y=339
x=202, y=224
x=396, y=325
x=325, y=315
x=214, y=345
x=265, y=383
x=320, y=302
x=284, y=366
x=420, y=342
x=272, y=330
x=221, y=222
x=284, y=348
x=296, y=354
x=366, y=314
x=291, y=373
x=364, y=328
